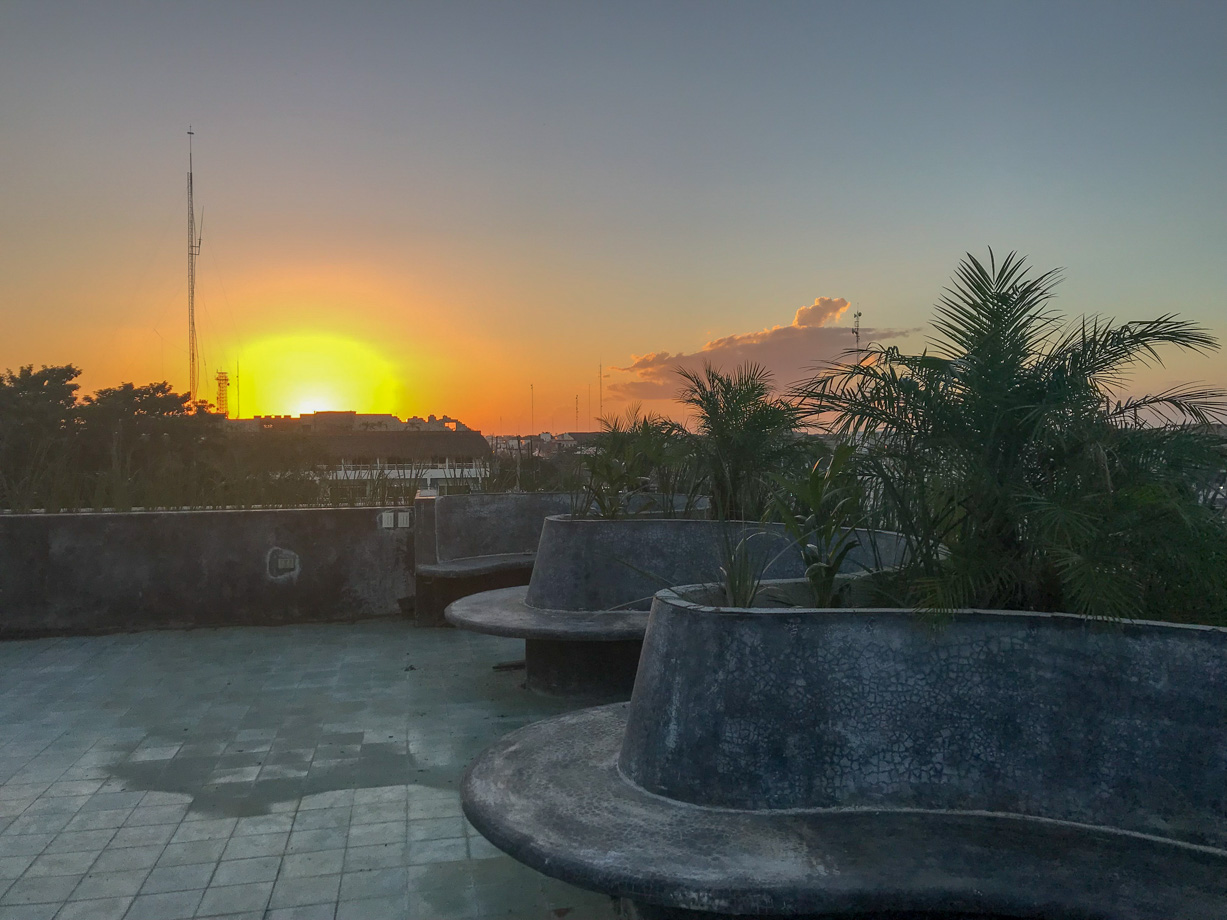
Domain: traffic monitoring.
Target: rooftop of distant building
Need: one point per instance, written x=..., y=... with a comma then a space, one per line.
x=348, y=420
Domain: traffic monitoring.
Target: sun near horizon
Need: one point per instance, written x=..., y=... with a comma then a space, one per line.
x=300, y=373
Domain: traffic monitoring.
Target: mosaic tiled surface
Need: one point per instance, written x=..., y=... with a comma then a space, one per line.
x=290, y=773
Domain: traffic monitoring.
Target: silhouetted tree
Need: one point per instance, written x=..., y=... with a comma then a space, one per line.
x=38, y=414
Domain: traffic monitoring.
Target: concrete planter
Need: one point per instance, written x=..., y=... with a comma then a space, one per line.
x=825, y=763
x=466, y=544
x=111, y=572
x=584, y=612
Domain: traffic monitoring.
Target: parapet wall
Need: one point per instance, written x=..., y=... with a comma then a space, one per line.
x=111, y=572
x=490, y=524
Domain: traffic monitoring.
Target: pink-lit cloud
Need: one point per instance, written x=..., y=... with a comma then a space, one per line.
x=789, y=352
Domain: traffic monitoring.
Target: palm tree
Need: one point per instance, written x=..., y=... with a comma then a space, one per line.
x=744, y=434
x=624, y=463
x=1010, y=458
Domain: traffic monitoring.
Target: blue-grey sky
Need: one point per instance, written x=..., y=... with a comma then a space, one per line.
x=475, y=197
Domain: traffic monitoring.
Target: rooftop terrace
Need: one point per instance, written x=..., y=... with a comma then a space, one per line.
x=293, y=772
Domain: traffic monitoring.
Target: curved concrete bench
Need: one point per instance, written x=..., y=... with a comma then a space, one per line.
x=793, y=763
x=584, y=612
x=470, y=543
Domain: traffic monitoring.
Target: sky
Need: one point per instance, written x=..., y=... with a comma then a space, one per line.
x=523, y=215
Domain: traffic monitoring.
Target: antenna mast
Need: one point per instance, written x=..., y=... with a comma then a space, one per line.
x=856, y=331
x=193, y=250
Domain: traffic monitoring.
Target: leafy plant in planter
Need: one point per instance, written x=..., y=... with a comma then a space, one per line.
x=821, y=513
x=1011, y=444
x=640, y=464
x=743, y=434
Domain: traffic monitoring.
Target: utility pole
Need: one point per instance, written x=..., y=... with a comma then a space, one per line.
x=193, y=251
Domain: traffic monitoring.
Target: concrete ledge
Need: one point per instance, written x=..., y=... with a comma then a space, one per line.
x=435, y=594
x=587, y=655
x=552, y=796
x=479, y=565
x=507, y=613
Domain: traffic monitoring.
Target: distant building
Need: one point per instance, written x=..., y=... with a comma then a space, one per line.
x=578, y=442
x=510, y=445
x=341, y=421
x=325, y=422
x=404, y=447
x=544, y=444
x=435, y=424
x=440, y=453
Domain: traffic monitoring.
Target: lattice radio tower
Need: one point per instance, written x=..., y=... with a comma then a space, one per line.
x=193, y=251
x=223, y=398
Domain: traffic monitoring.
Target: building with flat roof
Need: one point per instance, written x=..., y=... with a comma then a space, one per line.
x=437, y=452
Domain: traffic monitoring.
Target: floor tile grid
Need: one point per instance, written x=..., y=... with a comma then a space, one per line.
x=430, y=820
x=431, y=842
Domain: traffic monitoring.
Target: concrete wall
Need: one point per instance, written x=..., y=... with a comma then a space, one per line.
x=1046, y=715
x=490, y=524
x=595, y=564
x=82, y=573
x=424, y=542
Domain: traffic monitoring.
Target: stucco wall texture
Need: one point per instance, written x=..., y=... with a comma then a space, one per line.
x=112, y=572
x=1118, y=724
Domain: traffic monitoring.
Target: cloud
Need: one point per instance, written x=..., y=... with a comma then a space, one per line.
x=789, y=352
x=822, y=311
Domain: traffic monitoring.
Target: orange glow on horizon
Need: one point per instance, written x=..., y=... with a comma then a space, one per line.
x=313, y=372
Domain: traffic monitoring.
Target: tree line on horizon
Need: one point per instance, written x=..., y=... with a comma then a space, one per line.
x=133, y=446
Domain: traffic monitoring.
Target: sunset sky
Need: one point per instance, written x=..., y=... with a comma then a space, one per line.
x=430, y=207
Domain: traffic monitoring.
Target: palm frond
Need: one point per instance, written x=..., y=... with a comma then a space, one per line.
x=1005, y=455
x=1099, y=354
x=1180, y=404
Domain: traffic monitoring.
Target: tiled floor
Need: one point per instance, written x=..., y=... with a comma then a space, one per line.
x=289, y=773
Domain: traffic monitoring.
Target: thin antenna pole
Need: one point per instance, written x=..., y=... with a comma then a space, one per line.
x=193, y=250
x=532, y=411
x=856, y=331
x=577, y=412
x=600, y=390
